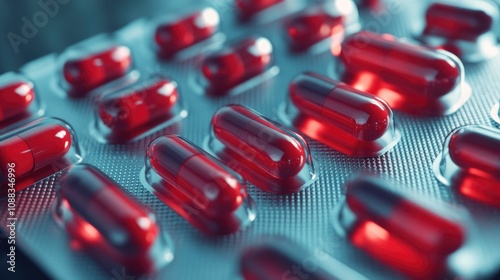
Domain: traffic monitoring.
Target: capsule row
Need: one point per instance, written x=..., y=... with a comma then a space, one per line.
x=86, y=67
x=213, y=198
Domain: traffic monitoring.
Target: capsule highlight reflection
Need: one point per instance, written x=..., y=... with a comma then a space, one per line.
x=270, y=156
x=470, y=163
x=348, y=120
x=383, y=223
x=110, y=226
x=409, y=77
x=196, y=186
x=16, y=96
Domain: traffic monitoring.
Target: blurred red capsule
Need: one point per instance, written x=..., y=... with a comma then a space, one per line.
x=340, y=116
x=279, y=258
x=470, y=163
x=138, y=106
x=91, y=70
x=385, y=228
x=181, y=33
x=16, y=97
x=313, y=26
x=110, y=226
x=197, y=187
x=458, y=21
x=465, y=28
x=237, y=63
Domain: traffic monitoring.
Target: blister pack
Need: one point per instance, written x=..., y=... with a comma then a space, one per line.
x=263, y=139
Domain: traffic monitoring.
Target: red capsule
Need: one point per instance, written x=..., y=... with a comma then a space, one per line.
x=111, y=226
x=249, y=8
x=458, y=20
x=337, y=110
x=279, y=258
x=197, y=187
x=385, y=228
x=409, y=77
x=466, y=29
x=95, y=69
x=234, y=64
x=476, y=148
x=141, y=105
x=471, y=163
x=313, y=26
x=256, y=148
x=34, y=148
x=15, y=98
x=173, y=36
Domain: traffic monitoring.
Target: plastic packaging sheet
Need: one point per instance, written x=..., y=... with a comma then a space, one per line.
x=304, y=217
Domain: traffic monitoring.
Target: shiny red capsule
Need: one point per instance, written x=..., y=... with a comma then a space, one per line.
x=279, y=258
x=95, y=69
x=249, y=8
x=140, y=105
x=173, y=36
x=239, y=62
x=108, y=224
x=340, y=111
x=409, y=77
x=196, y=186
x=313, y=26
x=34, y=149
x=385, y=228
x=466, y=29
x=471, y=163
x=15, y=98
x=257, y=148
x=458, y=21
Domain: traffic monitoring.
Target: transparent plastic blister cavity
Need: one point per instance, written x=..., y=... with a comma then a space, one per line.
x=468, y=29
x=137, y=110
x=348, y=120
x=322, y=26
x=408, y=233
x=118, y=235
x=182, y=35
x=405, y=152
x=263, y=152
x=36, y=151
x=20, y=100
x=410, y=77
x=469, y=163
